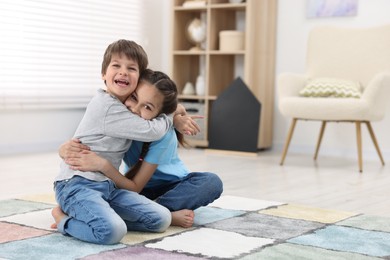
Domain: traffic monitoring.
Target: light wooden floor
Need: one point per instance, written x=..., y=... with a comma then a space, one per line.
x=332, y=183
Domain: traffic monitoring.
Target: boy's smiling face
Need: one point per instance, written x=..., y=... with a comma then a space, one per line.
x=121, y=76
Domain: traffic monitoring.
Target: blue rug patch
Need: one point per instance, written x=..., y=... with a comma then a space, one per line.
x=348, y=239
x=205, y=215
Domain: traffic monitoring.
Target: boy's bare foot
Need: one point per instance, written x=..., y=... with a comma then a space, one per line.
x=57, y=214
x=183, y=218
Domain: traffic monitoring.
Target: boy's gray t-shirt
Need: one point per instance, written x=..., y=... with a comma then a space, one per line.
x=108, y=128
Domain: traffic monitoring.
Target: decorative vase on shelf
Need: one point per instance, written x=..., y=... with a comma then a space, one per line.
x=200, y=86
x=188, y=89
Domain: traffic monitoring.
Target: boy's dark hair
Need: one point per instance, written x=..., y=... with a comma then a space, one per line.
x=168, y=89
x=129, y=48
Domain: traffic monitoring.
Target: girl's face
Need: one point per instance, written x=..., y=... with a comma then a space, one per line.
x=121, y=76
x=146, y=101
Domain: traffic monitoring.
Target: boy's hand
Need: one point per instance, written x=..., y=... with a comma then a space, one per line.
x=72, y=148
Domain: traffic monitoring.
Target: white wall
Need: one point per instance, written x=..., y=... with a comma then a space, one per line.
x=157, y=41
x=41, y=130
x=36, y=130
x=339, y=138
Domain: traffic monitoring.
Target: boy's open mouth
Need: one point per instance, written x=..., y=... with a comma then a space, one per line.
x=121, y=82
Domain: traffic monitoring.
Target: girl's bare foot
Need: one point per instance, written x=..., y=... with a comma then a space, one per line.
x=57, y=214
x=183, y=218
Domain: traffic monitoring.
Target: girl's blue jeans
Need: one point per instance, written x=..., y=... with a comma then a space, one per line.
x=100, y=213
x=195, y=190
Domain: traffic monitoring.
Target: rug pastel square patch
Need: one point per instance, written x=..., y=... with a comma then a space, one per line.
x=240, y=203
x=41, y=219
x=205, y=215
x=211, y=243
x=340, y=238
x=133, y=237
x=13, y=232
x=54, y=246
x=44, y=198
x=293, y=251
x=15, y=206
x=140, y=253
x=308, y=213
x=368, y=222
x=259, y=225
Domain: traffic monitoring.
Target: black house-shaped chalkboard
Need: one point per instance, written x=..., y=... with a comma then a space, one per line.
x=234, y=119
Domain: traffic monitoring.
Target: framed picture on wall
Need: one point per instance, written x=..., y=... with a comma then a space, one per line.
x=331, y=8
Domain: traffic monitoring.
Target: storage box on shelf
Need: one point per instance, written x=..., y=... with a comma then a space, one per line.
x=231, y=40
x=249, y=53
x=196, y=108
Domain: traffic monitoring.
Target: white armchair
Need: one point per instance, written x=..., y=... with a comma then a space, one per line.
x=362, y=55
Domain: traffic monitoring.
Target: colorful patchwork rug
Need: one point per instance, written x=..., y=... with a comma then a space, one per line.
x=229, y=228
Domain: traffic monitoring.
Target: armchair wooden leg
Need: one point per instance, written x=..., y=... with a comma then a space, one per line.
x=289, y=135
x=320, y=139
x=359, y=144
x=375, y=142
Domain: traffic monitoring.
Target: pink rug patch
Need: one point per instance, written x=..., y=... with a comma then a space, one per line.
x=12, y=232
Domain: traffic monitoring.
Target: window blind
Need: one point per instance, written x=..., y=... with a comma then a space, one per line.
x=51, y=51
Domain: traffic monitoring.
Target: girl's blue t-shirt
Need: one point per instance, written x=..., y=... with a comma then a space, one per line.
x=162, y=152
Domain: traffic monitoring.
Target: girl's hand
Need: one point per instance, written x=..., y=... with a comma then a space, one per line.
x=86, y=161
x=71, y=148
x=186, y=124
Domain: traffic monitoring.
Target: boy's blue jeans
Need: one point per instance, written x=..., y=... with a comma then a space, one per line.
x=100, y=213
x=195, y=190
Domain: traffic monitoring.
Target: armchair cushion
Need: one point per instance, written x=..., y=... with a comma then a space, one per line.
x=331, y=87
x=370, y=107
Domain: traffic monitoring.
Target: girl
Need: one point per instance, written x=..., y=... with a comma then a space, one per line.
x=157, y=172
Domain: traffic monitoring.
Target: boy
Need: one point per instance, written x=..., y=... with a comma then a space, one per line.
x=94, y=210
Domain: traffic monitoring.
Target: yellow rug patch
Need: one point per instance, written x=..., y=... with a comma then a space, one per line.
x=296, y=211
x=44, y=198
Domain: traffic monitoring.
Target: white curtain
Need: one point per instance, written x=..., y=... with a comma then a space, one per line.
x=51, y=51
